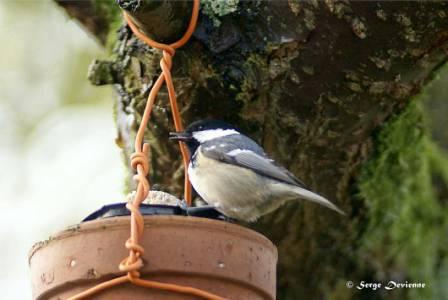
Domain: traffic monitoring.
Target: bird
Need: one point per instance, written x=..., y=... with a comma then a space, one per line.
x=234, y=175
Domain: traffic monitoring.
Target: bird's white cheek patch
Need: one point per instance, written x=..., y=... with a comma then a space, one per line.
x=208, y=135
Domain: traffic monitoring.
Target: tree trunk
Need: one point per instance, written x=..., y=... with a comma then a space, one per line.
x=326, y=89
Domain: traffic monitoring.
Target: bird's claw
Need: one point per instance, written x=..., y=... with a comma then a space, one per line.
x=206, y=211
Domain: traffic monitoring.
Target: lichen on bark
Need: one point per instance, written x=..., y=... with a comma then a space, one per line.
x=216, y=9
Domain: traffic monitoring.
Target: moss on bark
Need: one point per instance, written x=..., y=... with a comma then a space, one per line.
x=406, y=225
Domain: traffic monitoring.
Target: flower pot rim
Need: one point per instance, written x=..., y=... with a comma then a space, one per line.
x=114, y=223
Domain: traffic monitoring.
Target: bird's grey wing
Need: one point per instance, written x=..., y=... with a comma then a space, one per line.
x=257, y=163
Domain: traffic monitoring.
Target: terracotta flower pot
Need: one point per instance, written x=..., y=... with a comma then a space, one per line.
x=222, y=258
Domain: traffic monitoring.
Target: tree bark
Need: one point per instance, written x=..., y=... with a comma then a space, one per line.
x=314, y=83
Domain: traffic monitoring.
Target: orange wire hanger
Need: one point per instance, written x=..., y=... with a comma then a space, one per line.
x=140, y=162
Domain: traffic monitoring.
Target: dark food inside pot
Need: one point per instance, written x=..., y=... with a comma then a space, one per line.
x=119, y=209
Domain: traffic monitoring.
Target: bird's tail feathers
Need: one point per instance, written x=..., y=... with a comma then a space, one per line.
x=308, y=195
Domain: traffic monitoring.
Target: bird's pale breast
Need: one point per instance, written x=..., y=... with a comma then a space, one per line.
x=235, y=191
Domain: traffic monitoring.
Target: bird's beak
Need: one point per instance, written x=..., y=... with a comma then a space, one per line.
x=181, y=136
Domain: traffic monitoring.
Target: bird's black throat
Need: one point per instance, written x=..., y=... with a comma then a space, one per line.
x=192, y=146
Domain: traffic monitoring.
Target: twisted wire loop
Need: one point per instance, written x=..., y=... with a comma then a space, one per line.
x=168, y=52
x=139, y=162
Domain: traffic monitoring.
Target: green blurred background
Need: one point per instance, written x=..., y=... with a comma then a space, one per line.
x=57, y=153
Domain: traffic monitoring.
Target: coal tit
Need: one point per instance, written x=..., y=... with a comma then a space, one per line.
x=233, y=174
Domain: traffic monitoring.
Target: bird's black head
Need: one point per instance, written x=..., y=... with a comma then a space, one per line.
x=201, y=131
x=209, y=124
